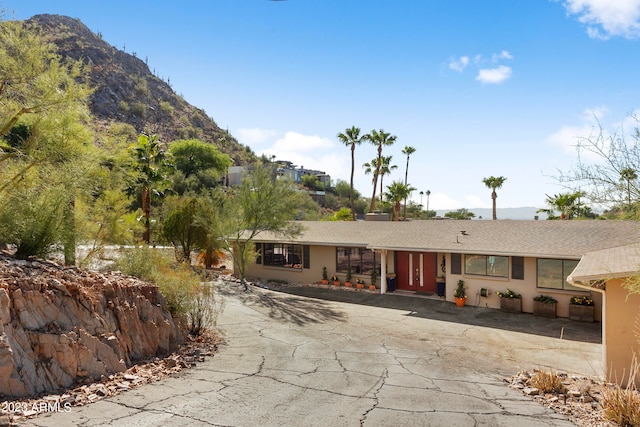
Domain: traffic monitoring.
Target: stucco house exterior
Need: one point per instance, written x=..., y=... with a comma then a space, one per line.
x=529, y=257
x=606, y=272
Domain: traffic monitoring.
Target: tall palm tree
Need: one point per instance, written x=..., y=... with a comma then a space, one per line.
x=628, y=175
x=396, y=193
x=494, y=183
x=379, y=139
x=385, y=167
x=408, y=151
x=351, y=137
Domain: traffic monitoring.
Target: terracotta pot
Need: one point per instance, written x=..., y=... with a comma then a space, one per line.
x=325, y=281
x=359, y=285
x=460, y=301
x=337, y=283
x=372, y=287
x=348, y=284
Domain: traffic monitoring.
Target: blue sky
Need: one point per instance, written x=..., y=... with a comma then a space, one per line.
x=479, y=87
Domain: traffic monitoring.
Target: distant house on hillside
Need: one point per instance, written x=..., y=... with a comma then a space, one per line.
x=528, y=257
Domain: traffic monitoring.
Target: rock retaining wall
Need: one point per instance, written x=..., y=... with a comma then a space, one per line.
x=60, y=326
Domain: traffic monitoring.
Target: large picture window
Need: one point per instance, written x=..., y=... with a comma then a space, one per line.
x=361, y=260
x=282, y=255
x=552, y=273
x=486, y=265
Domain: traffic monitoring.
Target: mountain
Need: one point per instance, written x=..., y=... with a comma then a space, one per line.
x=125, y=91
x=502, y=213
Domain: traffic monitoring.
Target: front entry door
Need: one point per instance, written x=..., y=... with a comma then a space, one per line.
x=416, y=271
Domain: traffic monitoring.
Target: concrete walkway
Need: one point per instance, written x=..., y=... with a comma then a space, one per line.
x=298, y=361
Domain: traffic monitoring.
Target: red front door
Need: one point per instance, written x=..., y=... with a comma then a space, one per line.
x=416, y=271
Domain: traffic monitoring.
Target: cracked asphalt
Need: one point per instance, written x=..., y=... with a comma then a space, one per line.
x=294, y=360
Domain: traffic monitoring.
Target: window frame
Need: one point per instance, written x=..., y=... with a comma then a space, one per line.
x=566, y=270
x=284, y=252
x=357, y=261
x=487, y=262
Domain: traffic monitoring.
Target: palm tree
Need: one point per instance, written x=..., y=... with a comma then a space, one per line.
x=150, y=163
x=568, y=204
x=351, y=138
x=385, y=168
x=408, y=151
x=396, y=193
x=494, y=183
x=428, y=193
x=379, y=139
x=628, y=175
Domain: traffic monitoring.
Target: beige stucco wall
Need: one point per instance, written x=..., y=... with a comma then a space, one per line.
x=620, y=334
x=319, y=256
x=526, y=287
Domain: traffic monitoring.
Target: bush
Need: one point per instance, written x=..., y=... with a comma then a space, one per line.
x=622, y=405
x=547, y=382
x=189, y=300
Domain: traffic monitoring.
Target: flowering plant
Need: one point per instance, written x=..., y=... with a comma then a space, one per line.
x=360, y=281
x=508, y=294
x=334, y=278
x=581, y=301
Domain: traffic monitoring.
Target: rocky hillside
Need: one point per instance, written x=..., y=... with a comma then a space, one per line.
x=61, y=326
x=127, y=92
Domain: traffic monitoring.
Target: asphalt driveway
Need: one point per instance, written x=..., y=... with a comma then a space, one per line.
x=295, y=360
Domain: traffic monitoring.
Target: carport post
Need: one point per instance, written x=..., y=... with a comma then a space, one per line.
x=383, y=271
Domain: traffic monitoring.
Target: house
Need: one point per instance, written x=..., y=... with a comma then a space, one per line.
x=606, y=272
x=528, y=257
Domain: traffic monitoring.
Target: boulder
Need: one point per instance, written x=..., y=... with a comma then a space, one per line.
x=61, y=326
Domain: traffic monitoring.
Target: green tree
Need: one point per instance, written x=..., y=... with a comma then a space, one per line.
x=351, y=137
x=36, y=85
x=187, y=225
x=262, y=203
x=462, y=213
x=407, y=151
x=568, y=204
x=379, y=139
x=494, y=183
x=396, y=193
x=199, y=165
x=151, y=164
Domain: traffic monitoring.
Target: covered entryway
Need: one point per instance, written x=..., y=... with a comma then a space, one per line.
x=416, y=271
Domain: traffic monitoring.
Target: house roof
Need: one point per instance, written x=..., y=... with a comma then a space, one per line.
x=611, y=263
x=551, y=239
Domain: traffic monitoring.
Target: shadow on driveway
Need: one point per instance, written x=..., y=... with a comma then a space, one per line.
x=428, y=308
x=289, y=308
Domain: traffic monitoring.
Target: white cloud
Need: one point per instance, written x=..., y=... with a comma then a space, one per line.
x=459, y=64
x=502, y=55
x=494, y=75
x=311, y=152
x=255, y=135
x=567, y=136
x=605, y=18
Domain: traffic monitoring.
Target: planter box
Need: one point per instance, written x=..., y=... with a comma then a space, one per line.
x=511, y=305
x=581, y=313
x=544, y=309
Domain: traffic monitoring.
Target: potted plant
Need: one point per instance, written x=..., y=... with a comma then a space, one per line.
x=359, y=283
x=372, y=287
x=545, y=306
x=347, y=280
x=335, y=280
x=325, y=278
x=510, y=301
x=460, y=294
x=374, y=277
x=581, y=309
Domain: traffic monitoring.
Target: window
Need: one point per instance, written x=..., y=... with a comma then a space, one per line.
x=282, y=255
x=517, y=267
x=486, y=265
x=361, y=260
x=456, y=264
x=552, y=273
